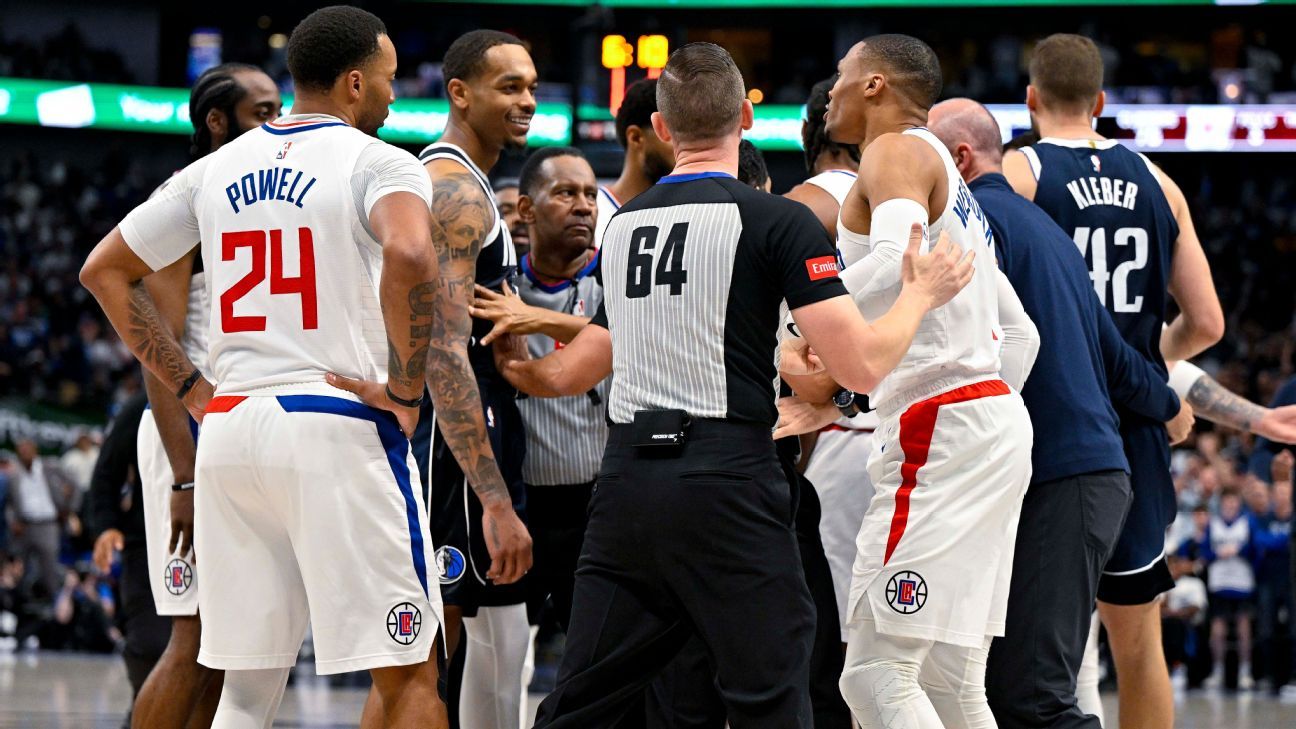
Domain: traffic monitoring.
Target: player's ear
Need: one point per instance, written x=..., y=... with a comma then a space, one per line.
x=526, y=209
x=634, y=137
x=217, y=124
x=354, y=82
x=748, y=117
x=963, y=158
x=457, y=90
x=1102, y=100
x=1032, y=99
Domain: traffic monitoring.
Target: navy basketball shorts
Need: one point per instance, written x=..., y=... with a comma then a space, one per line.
x=455, y=514
x=1137, y=572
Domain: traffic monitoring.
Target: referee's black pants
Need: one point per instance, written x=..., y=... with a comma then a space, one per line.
x=695, y=542
x=1068, y=529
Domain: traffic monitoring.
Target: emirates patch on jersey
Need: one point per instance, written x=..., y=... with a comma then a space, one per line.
x=822, y=267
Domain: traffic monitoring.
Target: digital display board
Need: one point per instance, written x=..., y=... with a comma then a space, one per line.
x=166, y=110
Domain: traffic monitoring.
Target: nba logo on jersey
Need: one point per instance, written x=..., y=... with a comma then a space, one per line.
x=283, y=151
x=1097, y=163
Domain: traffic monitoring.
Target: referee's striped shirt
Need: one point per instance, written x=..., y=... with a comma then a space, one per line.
x=565, y=435
x=694, y=271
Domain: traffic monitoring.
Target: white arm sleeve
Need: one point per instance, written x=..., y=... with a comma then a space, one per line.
x=1183, y=375
x=879, y=271
x=382, y=169
x=1021, y=340
x=165, y=227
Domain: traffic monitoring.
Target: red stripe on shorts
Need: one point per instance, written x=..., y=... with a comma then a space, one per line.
x=916, y=427
x=224, y=403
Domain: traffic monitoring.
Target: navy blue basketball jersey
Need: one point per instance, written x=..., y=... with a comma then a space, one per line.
x=496, y=262
x=1108, y=199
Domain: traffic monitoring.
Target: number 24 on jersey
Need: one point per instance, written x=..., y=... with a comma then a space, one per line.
x=303, y=284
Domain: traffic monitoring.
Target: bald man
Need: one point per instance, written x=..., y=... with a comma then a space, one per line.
x=1080, y=489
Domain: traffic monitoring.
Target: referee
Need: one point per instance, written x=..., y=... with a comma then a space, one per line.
x=690, y=525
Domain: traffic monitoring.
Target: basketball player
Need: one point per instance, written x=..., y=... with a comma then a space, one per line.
x=835, y=452
x=1080, y=490
x=647, y=157
x=288, y=466
x=477, y=490
x=225, y=102
x=953, y=452
x=643, y=587
x=1132, y=224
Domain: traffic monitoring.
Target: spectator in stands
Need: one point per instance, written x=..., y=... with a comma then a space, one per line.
x=6, y=473
x=1182, y=610
x=38, y=500
x=1230, y=578
x=1275, y=598
x=83, y=615
x=78, y=463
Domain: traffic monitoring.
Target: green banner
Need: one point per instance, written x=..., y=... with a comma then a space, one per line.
x=166, y=110
x=54, y=429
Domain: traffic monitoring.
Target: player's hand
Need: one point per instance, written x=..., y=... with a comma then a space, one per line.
x=797, y=359
x=182, y=520
x=106, y=547
x=511, y=348
x=939, y=274
x=796, y=416
x=374, y=394
x=1180, y=426
x=508, y=542
x=510, y=314
x=1280, y=469
x=1277, y=424
x=195, y=401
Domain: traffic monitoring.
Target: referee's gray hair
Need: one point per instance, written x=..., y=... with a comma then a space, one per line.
x=700, y=93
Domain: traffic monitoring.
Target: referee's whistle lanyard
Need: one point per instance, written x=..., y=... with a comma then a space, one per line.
x=573, y=295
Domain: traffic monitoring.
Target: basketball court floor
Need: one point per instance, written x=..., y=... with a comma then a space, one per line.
x=67, y=691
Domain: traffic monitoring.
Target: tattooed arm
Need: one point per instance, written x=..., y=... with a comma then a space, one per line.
x=113, y=274
x=461, y=217
x=1217, y=404
x=170, y=291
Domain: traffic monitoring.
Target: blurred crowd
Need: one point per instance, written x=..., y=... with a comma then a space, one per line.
x=51, y=597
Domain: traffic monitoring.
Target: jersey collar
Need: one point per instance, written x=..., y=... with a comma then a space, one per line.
x=293, y=123
x=611, y=198
x=1080, y=143
x=672, y=179
x=551, y=286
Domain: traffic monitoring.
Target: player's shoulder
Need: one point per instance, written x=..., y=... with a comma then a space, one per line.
x=896, y=151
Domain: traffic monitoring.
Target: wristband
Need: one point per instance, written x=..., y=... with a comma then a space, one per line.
x=188, y=384
x=186, y=486
x=402, y=401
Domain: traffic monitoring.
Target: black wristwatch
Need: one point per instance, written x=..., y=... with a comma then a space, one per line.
x=845, y=402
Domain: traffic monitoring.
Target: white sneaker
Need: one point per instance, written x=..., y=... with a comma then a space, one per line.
x=1245, y=681
x=1214, y=680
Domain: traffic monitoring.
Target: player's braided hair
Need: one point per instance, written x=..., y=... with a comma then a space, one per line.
x=637, y=108
x=814, y=135
x=216, y=88
x=751, y=165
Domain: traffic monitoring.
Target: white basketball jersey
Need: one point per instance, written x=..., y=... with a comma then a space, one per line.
x=607, y=206
x=961, y=340
x=291, y=265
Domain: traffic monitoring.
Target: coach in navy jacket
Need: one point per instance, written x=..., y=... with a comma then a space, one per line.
x=1080, y=489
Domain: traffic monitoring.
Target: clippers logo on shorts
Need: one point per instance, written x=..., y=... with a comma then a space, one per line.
x=404, y=623
x=906, y=592
x=177, y=577
x=450, y=565
x=822, y=267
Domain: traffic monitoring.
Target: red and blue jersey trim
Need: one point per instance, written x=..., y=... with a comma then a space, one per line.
x=308, y=125
x=560, y=285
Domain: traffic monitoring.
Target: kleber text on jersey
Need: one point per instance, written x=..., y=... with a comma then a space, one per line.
x=272, y=183
x=1103, y=191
